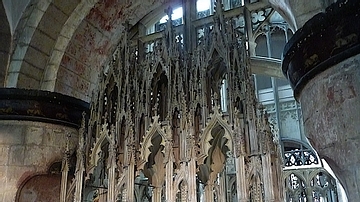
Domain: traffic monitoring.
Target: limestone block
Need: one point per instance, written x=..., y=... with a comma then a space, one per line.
x=54, y=13
x=3, y=171
x=68, y=30
x=53, y=137
x=34, y=135
x=35, y=18
x=25, y=38
x=42, y=5
x=16, y=155
x=66, y=6
x=11, y=134
x=24, y=81
x=36, y=58
x=43, y=42
x=40, y=156
x=53, y=23
x=9, y=196
x=15, y=66
x=56, y=56
x=4, y=155
x=31, y=70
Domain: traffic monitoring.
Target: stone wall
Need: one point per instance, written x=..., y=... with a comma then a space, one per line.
x=331, y=111
x=28, y=149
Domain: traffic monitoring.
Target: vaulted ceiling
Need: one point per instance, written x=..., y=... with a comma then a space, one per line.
x=61, y=46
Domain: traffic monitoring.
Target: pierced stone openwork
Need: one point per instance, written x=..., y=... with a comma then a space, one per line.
x=310, y=185
x=175, y=117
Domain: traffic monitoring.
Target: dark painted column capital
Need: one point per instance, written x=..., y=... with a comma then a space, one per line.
x=325, y=40
x=42, y=106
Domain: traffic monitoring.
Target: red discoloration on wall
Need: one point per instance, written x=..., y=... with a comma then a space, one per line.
x=41, y=188
x=65, y=60
x=330, y=93
x=105, y=14
x=341, y=91
x=82, y=85
x=93, y=42
x=79, y=68
x=103, y=47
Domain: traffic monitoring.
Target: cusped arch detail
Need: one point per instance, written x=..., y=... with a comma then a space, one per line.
x=180, y=175
x=104, y=136
x=216, y=120
x=154, y=129
x=297, y=174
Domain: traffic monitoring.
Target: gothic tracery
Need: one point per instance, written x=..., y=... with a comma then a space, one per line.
x=180, y=123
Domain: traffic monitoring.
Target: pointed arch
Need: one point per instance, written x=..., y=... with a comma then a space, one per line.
x=155, y=129
x=63, y=39
x=216, y=140
x=255, y=187
x=159, y=87
x=216, y=123
x=104, y=136
x=26, y=37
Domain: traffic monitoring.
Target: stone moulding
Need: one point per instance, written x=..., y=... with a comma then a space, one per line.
x=336, y=33
x=41, y=106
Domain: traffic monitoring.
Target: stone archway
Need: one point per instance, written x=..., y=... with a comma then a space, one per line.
x=40, y=188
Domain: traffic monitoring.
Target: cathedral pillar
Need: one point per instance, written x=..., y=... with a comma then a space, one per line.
x=36, y=127
x=322, y=63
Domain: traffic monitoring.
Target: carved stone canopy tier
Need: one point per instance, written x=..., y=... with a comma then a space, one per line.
x=173, y=121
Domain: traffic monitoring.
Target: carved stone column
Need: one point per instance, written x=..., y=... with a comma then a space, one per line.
x=64, y=173
x=156, y=194
x=241, y=182
x=322, y=63
x=169, y=189
x=80, y=166
x=209, y=192
x=192, y=180
x=111, y=195
x=130, y=182
x=268, y=178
